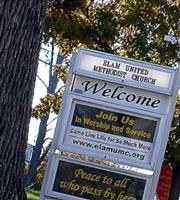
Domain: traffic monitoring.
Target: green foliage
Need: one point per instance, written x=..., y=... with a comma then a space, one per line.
x=89, y=24
x=32, y=194
x=132, y=28
x=61, y=72
x=149, y=22
x=50, y=103
x=39, y=177
x=173, y=149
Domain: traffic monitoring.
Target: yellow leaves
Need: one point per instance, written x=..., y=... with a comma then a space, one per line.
x=61, y=72
x=50, y=103
x=174, y=2
x=79, y=16
x=177, y=108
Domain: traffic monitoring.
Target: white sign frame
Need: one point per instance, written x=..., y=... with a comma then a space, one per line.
x=65, y=120
x=166, y=118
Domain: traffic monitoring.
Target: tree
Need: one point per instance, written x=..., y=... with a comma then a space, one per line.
x=130, y=28
x=51, y=87
x=172, y=157
x=21, y=30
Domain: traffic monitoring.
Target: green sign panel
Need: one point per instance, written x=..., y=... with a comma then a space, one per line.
x=96, y=184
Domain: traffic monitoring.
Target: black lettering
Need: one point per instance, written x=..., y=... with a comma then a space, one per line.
x=119, y=94
x=94, y=87
x=155, y=103
x=95, y=68
x=115, y=91
x=118, y=65
x=108, y=71
x=142, y=100
x=130, y=98
x=106, y=63
x=106, y=92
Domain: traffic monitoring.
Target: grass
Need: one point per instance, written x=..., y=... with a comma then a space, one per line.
x=32, y=194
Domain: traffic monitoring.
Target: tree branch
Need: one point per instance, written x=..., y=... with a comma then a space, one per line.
x=47, y=63
x=51, y=62
x=49, y=130
x=48, y=138
x=52, y=120
x=42, y=81
x=60, y=89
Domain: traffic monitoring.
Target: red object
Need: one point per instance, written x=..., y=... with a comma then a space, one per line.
x=164, y=183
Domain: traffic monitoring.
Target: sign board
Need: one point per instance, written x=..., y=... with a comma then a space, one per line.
x=119, y=94
x=122, y=70
x=92, y=183
x=114, y=109
x=111, y=132
x=72, y=180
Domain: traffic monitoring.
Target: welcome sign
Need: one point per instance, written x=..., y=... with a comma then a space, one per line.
x=120, y=94
x=117, y=111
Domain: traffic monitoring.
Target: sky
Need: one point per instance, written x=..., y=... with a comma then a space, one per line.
x=40, y=91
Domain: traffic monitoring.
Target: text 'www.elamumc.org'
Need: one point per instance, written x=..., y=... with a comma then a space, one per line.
x=109, y=149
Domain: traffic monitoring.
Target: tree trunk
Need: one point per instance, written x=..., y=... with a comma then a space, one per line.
x=31, y=176
x=175, y=186
x=44, y=155
x=21, y=28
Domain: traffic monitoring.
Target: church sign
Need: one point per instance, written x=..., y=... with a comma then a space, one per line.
x=125, y=70
x=114, y=110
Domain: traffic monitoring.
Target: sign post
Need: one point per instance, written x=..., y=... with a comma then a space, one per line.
x=112, y=129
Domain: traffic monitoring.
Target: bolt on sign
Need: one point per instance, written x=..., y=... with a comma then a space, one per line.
x=112, y=129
